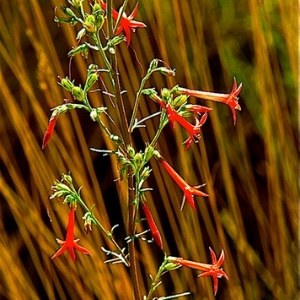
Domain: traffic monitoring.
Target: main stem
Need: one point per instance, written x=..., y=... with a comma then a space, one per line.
x=127, y=141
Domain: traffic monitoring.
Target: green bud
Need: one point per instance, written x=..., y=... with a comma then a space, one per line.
x=90, y=23
x=92, y=68
x=78, y=93
x=67, y=178
x=98, y=13
x=148, y=153
x=115, y=41
x=166, y=71
x=69, y=12
x=145, y=173
x=137, y=161
x=180, y=100
x=130, y=151
x=149, y=92
x=92, y=78
x=165, y=94
x=171, y=266
x=81, y=49
x=67, y=84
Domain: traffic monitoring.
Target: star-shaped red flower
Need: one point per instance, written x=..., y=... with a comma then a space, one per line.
x=70, y=244
x=214, y=270
x=126, y=24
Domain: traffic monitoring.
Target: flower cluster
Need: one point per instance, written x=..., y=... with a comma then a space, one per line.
x=174, y=108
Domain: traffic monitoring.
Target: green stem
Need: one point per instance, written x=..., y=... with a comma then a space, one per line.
x=137, y=99
x=97, y=222
x=163, y=122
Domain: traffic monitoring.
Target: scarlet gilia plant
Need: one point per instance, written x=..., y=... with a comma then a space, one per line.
x=100, y=30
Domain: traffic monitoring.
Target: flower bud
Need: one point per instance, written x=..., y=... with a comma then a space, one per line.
x=92, y=78
x=165, y=94
x=81, y=49
x=88, y=220
x=180, y=100
x=80, y=34
x=138, y=158
x=166, y=71
x=130, y=151
x=67, y=178
x=145, y=173
x=148, y=153
x=94, y=114
x=90, y=24
x=115, y=40
x=78, y=93
x=67, y=84
x=98, y=13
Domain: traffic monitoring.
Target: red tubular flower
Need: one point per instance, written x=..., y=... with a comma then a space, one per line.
x=70, y=244
x=127, y=24
x=152, y=225
x=230, y=99
x=189, y=192
x=193, y=130
x=213, y=269
x=49, y=131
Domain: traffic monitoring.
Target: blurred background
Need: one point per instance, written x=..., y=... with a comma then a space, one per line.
x=250, y=170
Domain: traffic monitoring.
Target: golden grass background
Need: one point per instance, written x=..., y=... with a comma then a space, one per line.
x=250, y=169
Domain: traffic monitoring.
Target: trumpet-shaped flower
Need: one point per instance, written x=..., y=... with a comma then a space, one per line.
x=213, y=269
x=230, y=99
x=188, y=191
x=127, y=24
x=70, y=244
x=49, y=131
x=193, y=130
x=152, y=225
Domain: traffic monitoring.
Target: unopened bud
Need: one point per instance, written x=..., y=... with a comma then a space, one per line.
x=138, y=158
x=180, y=100
x=145, y=173
x=98, y=13
x=130, y=151
x=81, y=49
x=67, y=84
x=88, y=220
x=80, y=34
x=78, y=93
x=165, y=94
x=90, y=23
x=148, y=153
x=94, y=114
x=115, y=40
x=92, y=78
x=166, y=71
